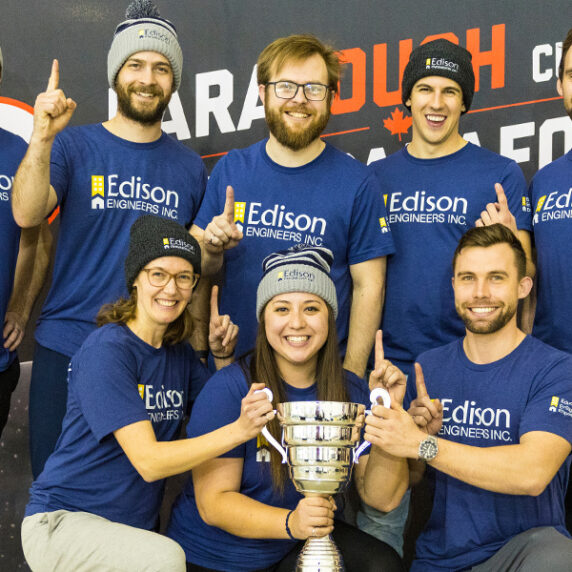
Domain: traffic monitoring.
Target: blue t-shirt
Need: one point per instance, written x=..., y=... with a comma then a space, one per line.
x=12, y=150
x=116, y=379
x=430, y=204
x=332, y=201
x=488, y=405
x=104, y=183
x=550, y=196
x=211, y=547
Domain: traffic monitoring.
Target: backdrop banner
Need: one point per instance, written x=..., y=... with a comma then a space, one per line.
x=516, y=110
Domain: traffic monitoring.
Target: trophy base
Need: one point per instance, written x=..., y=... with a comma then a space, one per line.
x=320, y=555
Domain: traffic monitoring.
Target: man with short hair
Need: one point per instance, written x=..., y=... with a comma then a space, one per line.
x=294, y=188
x=103, y=177
x=549, y=195
x=23, y=268
x=435, y=189
x=501, y=457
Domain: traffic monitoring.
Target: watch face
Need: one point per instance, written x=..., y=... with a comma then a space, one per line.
x=428, y=449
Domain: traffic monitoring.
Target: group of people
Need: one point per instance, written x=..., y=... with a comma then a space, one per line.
x=311, y=253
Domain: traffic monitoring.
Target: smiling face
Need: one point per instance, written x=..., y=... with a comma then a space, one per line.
x=487, y=287
x=436, y=105
x=158, y=306
x=296, y=326
x=144, y=86
x=297, y=122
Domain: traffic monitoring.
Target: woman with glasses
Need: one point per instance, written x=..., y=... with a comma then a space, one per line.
x=96, y=504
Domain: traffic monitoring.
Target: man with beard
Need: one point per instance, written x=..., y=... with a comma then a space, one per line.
x=294, y=188
x=102, y=177
x=500, y=460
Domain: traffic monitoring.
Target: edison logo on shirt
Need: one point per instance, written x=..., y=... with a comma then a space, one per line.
x=162, y=404
x=276, y=221
x=383, y=224
x=553, y=206
x=472, y=420
x=421, y=207
x=262, y=449
x=109, y=192
x=561, y=406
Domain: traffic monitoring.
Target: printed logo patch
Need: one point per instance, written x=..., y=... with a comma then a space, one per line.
x=141, y=389
x=97, y=192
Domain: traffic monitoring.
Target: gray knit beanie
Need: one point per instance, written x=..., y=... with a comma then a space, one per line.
x=152, y=237
x=299, y=269
x=144, y=31
x=443, y=58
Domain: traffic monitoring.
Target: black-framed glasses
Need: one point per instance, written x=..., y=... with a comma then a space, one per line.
x=289, y=89
x=159, y=277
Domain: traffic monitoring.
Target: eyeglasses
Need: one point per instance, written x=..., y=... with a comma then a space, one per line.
x=183, y=280
x=289, y=89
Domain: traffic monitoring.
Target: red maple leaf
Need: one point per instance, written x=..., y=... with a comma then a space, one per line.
x=397, y=123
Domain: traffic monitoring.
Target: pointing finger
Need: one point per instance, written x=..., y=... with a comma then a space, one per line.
x=379, y=355
x=501, y=197
x=229, y=204
x=420, y=382
x=54, y=80
x=214, y=302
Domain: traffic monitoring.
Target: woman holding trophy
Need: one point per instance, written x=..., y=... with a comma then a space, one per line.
x=240, y=511
x=96, y=504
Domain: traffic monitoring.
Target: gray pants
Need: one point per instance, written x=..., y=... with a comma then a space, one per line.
x=542, y=548
x=63, y=541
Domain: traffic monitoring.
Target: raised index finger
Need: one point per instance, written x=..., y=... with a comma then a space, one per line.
x=379, y=356
x=229, y=204
x=501, y=197
x=54, y=80
x=420, y=382
x=214, y=302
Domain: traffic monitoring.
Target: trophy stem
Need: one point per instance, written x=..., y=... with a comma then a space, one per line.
x=320, y=555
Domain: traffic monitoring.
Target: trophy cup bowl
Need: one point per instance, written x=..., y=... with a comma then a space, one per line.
x=320, y=440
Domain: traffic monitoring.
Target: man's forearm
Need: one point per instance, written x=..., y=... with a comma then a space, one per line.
x=365, y=313
x=32, y=197
x=31, y=269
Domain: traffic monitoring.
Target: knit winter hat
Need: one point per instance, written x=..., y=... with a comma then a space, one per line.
x=301, y=268
x=440, y=57
x=153, y=237
x=144, y=31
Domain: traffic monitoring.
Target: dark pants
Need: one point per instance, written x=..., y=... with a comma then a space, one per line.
x=8, y=382
x=361, y=553
x=48, y=398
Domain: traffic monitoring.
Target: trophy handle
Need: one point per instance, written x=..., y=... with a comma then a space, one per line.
x=373, y=397
x=265, y=431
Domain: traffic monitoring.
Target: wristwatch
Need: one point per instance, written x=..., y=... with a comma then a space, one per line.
x=428, y=448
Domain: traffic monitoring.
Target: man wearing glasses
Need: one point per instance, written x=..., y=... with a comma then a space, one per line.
x=293, y=188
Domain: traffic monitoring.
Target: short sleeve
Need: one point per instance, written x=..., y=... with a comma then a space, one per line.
x=103, y=378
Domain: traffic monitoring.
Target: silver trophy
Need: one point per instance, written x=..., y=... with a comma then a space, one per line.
x=319, y=443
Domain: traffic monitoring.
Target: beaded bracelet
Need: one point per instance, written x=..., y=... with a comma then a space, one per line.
x=288, y=528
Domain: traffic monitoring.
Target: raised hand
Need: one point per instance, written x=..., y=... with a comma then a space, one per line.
x=223, y=333
x=498, y=212
x=426, y=412
x=255, y=411
x=52, y=110
x=385, y=374
x=222, y=233
x=313, y=517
